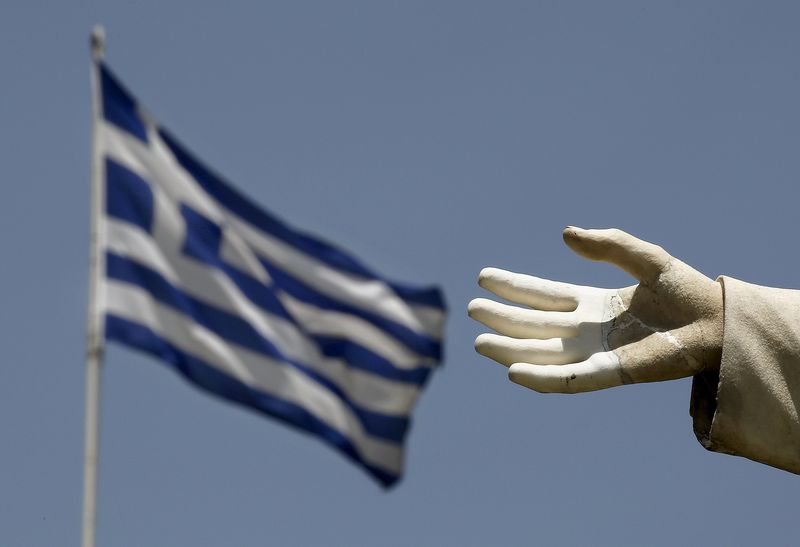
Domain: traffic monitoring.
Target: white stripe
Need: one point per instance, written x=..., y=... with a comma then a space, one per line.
x=371, y=391
x=258, y=372
x=156, y=164
x=353, y=328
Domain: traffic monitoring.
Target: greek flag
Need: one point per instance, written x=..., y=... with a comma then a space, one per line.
x=248, y=308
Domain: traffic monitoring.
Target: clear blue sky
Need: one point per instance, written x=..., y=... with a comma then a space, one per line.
x=431, y=139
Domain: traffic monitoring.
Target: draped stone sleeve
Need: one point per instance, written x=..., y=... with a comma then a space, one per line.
x=750, y=406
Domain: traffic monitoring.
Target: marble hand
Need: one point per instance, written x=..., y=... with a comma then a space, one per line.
x=569, y=338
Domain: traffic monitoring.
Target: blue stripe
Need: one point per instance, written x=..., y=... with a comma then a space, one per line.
x=119, y=106
x=238, y=331
x=203, y=237
x=207, y=377
x=233, y=200
x=128, y=196
x=203, y=243
x=415, y=341
x=354, y=354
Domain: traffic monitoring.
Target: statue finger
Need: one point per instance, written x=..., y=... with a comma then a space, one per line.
x=658, y=357
x=600, y=371
x=643, y=260
x=523, y=322
x=506, y=350
x=527, y=290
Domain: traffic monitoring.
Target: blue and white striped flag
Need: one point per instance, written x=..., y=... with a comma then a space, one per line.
x=248, y=308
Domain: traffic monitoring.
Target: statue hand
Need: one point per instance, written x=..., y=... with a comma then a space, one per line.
x=571, y=338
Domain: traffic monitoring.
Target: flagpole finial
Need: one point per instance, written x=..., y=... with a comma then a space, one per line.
x=98, y=42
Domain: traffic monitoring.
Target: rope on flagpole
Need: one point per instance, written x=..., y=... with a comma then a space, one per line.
x=94, y=352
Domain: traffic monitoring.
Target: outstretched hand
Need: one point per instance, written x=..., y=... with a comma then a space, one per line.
x=571, y=338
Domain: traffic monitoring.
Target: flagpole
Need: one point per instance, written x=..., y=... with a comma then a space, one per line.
x=94, y=351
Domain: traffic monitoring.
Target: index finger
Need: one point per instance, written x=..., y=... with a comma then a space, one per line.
x=541, y=294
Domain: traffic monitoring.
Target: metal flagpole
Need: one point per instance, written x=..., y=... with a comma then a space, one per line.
x=94, y=353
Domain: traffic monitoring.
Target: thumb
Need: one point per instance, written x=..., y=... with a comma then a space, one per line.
x=641, y=259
